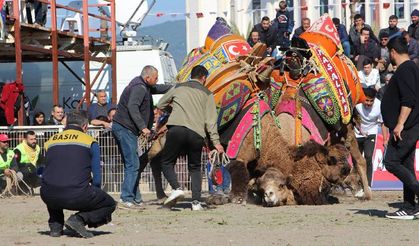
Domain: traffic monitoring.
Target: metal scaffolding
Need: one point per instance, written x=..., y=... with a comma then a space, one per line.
x=32, y=42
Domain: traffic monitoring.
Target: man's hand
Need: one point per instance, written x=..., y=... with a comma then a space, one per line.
x=7, y=172
x=146, y=132
x=219, y=148
x=106, y=125
x=397, y=132
x=286, y=34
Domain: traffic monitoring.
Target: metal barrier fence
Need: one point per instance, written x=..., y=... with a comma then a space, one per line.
x=112, y=166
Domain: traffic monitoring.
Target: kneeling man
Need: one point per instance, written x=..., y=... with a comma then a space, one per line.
x=72, y=180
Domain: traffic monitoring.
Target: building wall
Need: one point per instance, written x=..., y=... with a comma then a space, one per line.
x=240, y=13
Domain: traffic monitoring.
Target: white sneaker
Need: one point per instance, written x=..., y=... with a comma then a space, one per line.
x=175, y=196
x=197, y=206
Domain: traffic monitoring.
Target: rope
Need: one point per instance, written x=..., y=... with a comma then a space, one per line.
x=13, y=182
x=216, y=159
x=257, y=123
x=276, y=120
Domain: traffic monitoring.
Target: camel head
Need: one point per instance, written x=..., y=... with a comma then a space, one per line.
x=273, y=185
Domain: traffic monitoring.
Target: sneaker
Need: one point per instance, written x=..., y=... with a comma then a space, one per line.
x=175, y=196
x=402, y=214
x=130, y=205
x=196, y=206
x=75, y=223
x=139, y=205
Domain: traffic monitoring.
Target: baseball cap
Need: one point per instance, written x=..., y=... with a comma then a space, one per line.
x=4, y=138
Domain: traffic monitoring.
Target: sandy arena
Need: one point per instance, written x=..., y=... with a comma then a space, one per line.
x=352, y=222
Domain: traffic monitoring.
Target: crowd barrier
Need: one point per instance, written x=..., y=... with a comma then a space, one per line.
x=112, y=166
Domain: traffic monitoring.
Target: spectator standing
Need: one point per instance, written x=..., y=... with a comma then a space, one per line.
x=72, y=180
x=134, y=116
x=370, y=122
x=57, y=115
x=369, y=76
x=343, y=36
x=392, y=28
x=355, y=31
x=100, y=108
x=38, y=119
x=193, y=114
x=283, y=25
x=365, y=48
x=29, y=157
x=400, y=110
x=413, y=28
x=305, y=24
x=412, y=47
x=41, y=10
x=266, y=33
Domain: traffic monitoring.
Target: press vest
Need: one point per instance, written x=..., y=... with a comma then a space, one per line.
x=24, y=157
x=68, y=160
x=6, y=164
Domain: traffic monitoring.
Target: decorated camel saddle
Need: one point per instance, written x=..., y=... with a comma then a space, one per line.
x=238, y=74
x=316, y=65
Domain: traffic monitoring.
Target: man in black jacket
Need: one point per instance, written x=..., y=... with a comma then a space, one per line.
x=266, y=33
x=365, y=48
x=400, y=111
x=134, y=116
x=283, y=25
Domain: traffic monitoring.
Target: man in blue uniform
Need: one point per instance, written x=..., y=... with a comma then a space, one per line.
x=72, y=180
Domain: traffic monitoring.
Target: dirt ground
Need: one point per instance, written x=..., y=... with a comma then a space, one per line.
x=352, y=222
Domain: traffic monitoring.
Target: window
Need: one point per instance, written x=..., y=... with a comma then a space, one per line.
x=256, y=11
x=324, y=8
x=399, y=9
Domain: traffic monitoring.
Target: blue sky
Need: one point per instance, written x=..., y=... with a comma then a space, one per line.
x=165, y=6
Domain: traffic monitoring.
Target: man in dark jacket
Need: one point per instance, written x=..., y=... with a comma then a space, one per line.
x=413, y=29
x=365, y=48
x=266, y=33
x=72, y=180
x=392, y=28
x=283, y=25
x=134, y=116
x=343, y=36
x=305, y=24
x=355, y=31
x=400, y=110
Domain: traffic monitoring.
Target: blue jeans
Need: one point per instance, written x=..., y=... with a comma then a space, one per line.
x=346, y=48
x=127, y=143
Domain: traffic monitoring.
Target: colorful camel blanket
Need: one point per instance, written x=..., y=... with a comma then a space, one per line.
x=243, y=128
x=288, y=107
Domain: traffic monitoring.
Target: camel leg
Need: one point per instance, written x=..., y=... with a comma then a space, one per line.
x=361, y=164
x=239, y=181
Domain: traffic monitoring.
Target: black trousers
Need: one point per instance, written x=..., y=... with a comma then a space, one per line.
x=399, y=160
x=29, y=175
x=181, y=140
x=94, y=205
x=366, y=146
